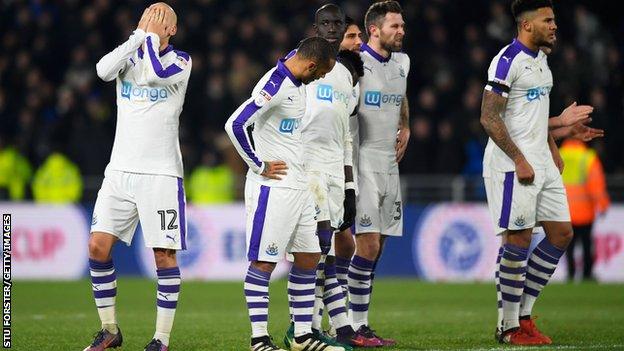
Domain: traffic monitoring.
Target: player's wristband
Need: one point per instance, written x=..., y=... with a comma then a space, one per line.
x=261, y=169
x=350, y=185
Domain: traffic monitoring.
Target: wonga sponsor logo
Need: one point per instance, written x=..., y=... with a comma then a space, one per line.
x=135, y=93
x=537, y=93
x=324, y=92
x=289, y=125
x=376, y=98
x=327, y=93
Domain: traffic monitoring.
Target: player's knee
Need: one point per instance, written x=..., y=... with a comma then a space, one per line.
x=165, y=258
x=368, y=249
x=565, y=238
x=345, y=248
x=98, y=250
x=263, y=266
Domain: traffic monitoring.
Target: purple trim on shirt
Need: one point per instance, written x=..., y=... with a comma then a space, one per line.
x=374, y=53
x=271, y=87
x=281, y=67
x=183, y=55
x=240, y=132
x=157, y=66
x=505, y=61
x=166, y=50
x=522, y=47
x=290, y=54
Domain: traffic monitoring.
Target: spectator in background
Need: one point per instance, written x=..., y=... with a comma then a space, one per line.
x=419, y=149
x=57, y=181
x=212, y=182
x=587, y=197
x=15, y=173
x=48, y=48
x=449, y=153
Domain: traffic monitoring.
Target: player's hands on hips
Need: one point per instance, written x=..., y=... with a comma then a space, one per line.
x=349, y=210
x=524, y=171
x=401, y=144
x=145, y=19
x=574, y=114
x=158, y=21
x=274, y=169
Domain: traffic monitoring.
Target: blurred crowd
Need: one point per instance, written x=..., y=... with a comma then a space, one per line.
x=52, y=104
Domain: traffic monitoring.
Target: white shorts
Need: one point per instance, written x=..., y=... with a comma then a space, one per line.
x=279, y=221
x=328, y=194
x=158, y=201
x=515, y=206
x=379, y=205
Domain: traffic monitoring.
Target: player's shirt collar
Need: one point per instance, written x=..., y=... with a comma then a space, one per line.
x=282, y=68
x=374, y=54
x=162, y=53
x=521, y=46
x=166, y=50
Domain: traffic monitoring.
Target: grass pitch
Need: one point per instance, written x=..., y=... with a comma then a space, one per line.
x=212, y=316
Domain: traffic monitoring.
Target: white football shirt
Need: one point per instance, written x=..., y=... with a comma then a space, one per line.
x=276, y=109
x=524, y=78
x=382, y=90
x=326, y=136
x=151, y=87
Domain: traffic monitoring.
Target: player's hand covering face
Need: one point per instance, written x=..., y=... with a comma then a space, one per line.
x=145, y=18
x=162, y=21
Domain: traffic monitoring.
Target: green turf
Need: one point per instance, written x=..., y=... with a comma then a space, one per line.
x=212, y=316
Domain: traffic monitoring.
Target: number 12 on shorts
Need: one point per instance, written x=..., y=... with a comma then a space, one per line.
x=173, y=214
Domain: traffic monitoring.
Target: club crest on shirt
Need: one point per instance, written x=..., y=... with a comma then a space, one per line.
x=520, y=221
x=272, y=249
x=94, y=219
x=401, y=72
x=183, y=61
x=365, y=221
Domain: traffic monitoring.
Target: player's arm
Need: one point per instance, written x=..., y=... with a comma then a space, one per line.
x=578, y=131
x=492, y=107
x=570, y=116
x=349, y=200
x=554, y=150
x=256, y=107
x=156, y=73
x=112, y=64
x=404, y=130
